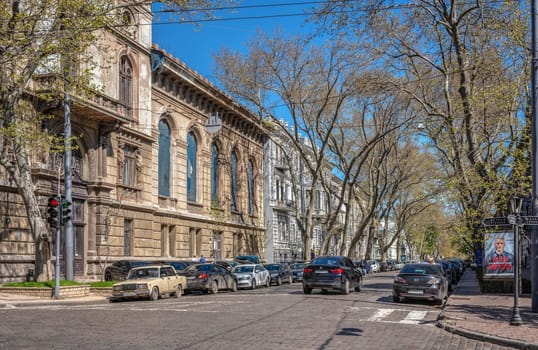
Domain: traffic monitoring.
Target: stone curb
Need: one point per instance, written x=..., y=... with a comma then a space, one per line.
x=482, y=336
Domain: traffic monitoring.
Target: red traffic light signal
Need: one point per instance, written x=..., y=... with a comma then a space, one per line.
x=54, y=211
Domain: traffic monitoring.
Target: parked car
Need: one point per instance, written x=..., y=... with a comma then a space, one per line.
x=331, y=272
x=449, y=273
x=374, y=265
x=254, y=259
x=209, y=278
x=119, y=270
x=279, y=273
x=151, y=282
x=178, y=265
x=228, y=264
x=364, y=266
x=251, y=275
x=420, y=281
x=297, y=271
x=398, y=265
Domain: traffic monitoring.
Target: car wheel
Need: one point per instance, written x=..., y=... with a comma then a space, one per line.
x=214, y=287
x=279, y=281
x=108, y=276
x=179, y=291
x=395, y=299
x=253, y=286
x=290, y=280
x=358, y=288
x=345, y=287
x=307, y=290
x=268, y=281
x=234, y=286
x=324, y=291
x=154, y=295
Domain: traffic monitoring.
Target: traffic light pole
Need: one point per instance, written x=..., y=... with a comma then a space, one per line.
x=57, y=267
x=68, y=224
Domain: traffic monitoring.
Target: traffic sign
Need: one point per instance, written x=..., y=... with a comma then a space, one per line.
x=530, y=220
x=498, y=221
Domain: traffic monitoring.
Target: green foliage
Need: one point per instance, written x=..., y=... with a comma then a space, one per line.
x=50, y=284
x=102, y=284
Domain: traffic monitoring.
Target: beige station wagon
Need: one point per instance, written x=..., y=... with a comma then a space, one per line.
x=152, y=282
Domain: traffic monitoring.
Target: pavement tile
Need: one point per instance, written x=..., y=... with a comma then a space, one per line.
x=487, y=317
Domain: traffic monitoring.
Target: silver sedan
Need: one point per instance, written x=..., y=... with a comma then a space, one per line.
x=251, y=276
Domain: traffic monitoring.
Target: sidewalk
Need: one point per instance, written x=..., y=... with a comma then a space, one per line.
x=9, y=300
x=486, y=317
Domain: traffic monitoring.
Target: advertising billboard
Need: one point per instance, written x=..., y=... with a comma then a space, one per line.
x=499, y=255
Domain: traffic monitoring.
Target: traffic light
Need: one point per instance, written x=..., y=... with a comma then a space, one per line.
x=53, y=211
x=66, y=211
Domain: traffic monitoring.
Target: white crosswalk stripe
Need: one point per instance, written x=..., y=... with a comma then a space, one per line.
x=414, y=317
x=402, y=316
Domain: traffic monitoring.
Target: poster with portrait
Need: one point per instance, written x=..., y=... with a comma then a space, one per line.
x=499, y=255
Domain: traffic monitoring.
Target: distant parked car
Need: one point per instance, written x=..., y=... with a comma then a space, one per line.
x=119, y=270
x=297, y=271
x=228, y=264
x=331, y=272
x=178, y=265
x=251, y=275
x=364, y=266
x=209, y=278
x=374, y=265
x=420, y=281
x=254, y=259
x=279, y=273
x=398, y=265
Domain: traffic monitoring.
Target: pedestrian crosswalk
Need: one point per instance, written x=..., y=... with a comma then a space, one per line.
x=390, y=315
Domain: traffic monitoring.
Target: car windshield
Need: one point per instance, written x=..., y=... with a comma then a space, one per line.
x=271, y=267
x=143, y=273
x=325, y=261
x=420, y=269
x=297, y=266
x=243, y=269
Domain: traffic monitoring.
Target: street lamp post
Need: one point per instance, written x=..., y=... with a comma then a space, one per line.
x=515, y=206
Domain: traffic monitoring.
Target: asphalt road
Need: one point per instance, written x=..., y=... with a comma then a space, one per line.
x=265, y=318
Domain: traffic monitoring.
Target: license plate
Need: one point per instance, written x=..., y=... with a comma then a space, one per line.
x=322, y=271
x=415, y=291
x=129, y=294
x=190, y=278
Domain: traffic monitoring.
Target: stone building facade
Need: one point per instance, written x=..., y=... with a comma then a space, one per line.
x=150, y=180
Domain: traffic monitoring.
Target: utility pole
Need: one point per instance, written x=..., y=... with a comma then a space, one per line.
x=534, y=99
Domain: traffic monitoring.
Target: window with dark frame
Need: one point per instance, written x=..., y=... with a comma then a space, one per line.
x=129, y=166
x=126, y=84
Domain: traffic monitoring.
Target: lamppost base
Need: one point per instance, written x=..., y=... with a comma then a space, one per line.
x=516, y=319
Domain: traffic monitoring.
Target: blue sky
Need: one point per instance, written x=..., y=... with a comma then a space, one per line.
x=195, y=45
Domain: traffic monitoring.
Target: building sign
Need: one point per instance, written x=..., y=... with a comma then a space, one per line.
x=499, y=255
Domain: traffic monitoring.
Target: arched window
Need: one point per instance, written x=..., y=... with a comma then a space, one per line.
x=164, y=158
x=126, y=84
x=250, y=187
x=214, y=175
x=233, y=178
x=192, y=152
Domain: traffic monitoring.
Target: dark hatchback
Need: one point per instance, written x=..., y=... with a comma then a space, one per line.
x=331, y=273
x=280, y=273
x=420, y=281
x=297, y=271
x=119, y=270
x=208, y=278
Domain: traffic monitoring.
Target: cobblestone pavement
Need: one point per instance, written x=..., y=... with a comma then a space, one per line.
x=487, y=316
x=267, y=318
